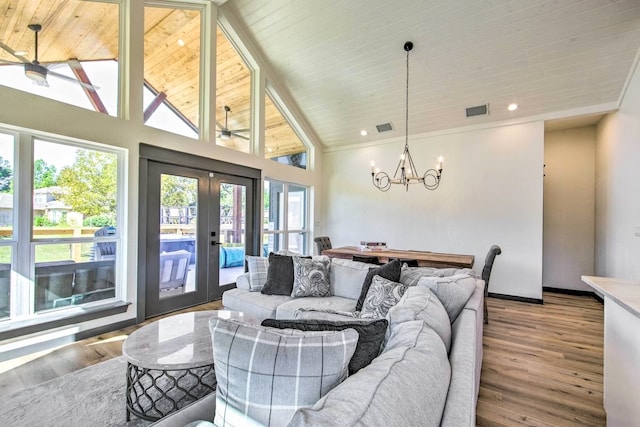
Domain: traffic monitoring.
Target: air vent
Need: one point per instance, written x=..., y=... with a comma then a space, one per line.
x=384, y=127
x=480, y=110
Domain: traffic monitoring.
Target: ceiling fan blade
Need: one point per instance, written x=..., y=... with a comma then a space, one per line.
x=241, y=130
x=71, y=79
x=235, y=135
x=219, y=125
x=22, y=59
x=5, y=62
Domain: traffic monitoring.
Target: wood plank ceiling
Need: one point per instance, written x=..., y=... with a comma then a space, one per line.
x=88, y=31
x=343, y=62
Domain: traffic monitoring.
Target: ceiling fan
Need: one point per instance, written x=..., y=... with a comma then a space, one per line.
x=36, y=71
x=225, y=133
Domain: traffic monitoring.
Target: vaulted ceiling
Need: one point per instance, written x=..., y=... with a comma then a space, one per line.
x=343, y=62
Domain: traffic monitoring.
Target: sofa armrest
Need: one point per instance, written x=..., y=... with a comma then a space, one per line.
x=242, y=282
x=202, y=409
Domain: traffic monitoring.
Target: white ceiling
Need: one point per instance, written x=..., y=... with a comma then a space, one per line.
x=343, y=62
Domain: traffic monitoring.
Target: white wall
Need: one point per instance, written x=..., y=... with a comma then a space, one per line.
x=618, y=188
x=491, y=193
x=569, y=208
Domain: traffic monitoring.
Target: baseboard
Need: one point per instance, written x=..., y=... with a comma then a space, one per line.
x=516, y=298
x=104, y=329
x=577, y=292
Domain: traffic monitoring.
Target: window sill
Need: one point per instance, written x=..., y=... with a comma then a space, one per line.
x=42, y=323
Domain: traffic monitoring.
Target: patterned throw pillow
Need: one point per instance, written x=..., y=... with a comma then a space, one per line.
x=258, y=267
x=390, y=271
x=383, y=294
x=264, y=375
x=310, y=277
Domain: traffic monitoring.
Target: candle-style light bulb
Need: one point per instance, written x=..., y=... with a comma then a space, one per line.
x=373, y=166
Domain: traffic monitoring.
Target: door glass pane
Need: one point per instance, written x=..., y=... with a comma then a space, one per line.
x=232, y=231
x=297, y=209
x=65, y=275
x=297, y=242
x=5, y=281
x=178, y=217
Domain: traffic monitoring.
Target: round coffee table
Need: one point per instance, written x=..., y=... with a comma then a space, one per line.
x=170, y=363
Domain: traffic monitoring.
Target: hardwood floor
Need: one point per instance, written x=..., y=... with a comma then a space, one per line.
x=542, y=364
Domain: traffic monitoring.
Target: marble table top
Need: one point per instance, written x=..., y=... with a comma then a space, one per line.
x=624, y=292
x=176, y=342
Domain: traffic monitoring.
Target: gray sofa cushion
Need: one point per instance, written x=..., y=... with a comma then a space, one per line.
x=346, y=277
x=287, y=310
x=419, y=303
x=370, y=335
x=453, y=291
x=405, y=386
x=253, y=304
x=411, y=275
x=266, y=374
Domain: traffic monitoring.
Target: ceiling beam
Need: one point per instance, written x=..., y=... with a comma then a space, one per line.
x=153, y=106
x=82, y=77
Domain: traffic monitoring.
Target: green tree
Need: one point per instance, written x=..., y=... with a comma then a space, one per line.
x=89, y=186
x=6, y=176
x=178, y=191
x=44, y=175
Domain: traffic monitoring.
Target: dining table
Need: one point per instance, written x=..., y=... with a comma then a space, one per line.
x=424, y=258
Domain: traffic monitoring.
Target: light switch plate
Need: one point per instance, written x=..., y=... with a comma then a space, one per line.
x=636, y=230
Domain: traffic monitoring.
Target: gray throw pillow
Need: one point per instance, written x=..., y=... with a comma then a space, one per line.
x=267, y=374
x=258, y=267
x=370, y=335
x=310, y=277
x=390, y=271
x=453, y=291
x=383, y=294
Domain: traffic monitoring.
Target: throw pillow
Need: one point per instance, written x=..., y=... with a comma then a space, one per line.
x=371, y=335
x=279, y=275
x=411, y=275
x=310, y=277
x=390, y=271
x=257, y=267
x=453, y=291
x=383, y=294
x=346, y=277
x=264, y=375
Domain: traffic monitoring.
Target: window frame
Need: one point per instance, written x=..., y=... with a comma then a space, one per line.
x=282, y=234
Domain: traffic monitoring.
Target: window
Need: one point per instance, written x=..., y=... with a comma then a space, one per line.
x=77, y=66
x=233, y=97
x=172, y=69
x=70, y=259
x=285, y=217
x=282, y=143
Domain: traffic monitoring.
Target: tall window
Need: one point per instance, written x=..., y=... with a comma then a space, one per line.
x=77, y=51
x=172, y=69
x=70, y=259
x=233, y=97
x=285, y=224
x=282, y=143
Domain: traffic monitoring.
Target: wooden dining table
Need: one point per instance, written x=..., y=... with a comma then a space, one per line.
x=424, y=258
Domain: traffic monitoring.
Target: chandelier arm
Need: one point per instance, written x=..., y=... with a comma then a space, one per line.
x=431, y=178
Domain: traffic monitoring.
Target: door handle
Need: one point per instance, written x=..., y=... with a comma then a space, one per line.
x=214, y=243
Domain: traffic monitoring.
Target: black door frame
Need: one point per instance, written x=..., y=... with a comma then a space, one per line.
x=171, y=157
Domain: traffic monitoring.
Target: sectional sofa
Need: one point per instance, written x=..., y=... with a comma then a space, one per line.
x=428, y=370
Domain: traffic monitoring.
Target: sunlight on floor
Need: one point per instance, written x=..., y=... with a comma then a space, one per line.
x=112, y=339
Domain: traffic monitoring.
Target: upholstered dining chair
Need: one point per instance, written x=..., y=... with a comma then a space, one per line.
x=486, y=274
x=322, y=243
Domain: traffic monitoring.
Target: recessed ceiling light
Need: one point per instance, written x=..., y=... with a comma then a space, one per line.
x=363, y=132
x=180, y=42
x=512, y=107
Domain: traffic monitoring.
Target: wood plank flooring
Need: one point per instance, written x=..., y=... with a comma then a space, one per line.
x=542, y=364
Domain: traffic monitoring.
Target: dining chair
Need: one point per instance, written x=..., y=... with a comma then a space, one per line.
x=486, y=274
x=322, y=243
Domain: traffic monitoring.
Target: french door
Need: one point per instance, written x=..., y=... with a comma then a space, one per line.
x=200, y=224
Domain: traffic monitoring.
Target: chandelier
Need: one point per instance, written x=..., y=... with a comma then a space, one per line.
x=406, y=172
